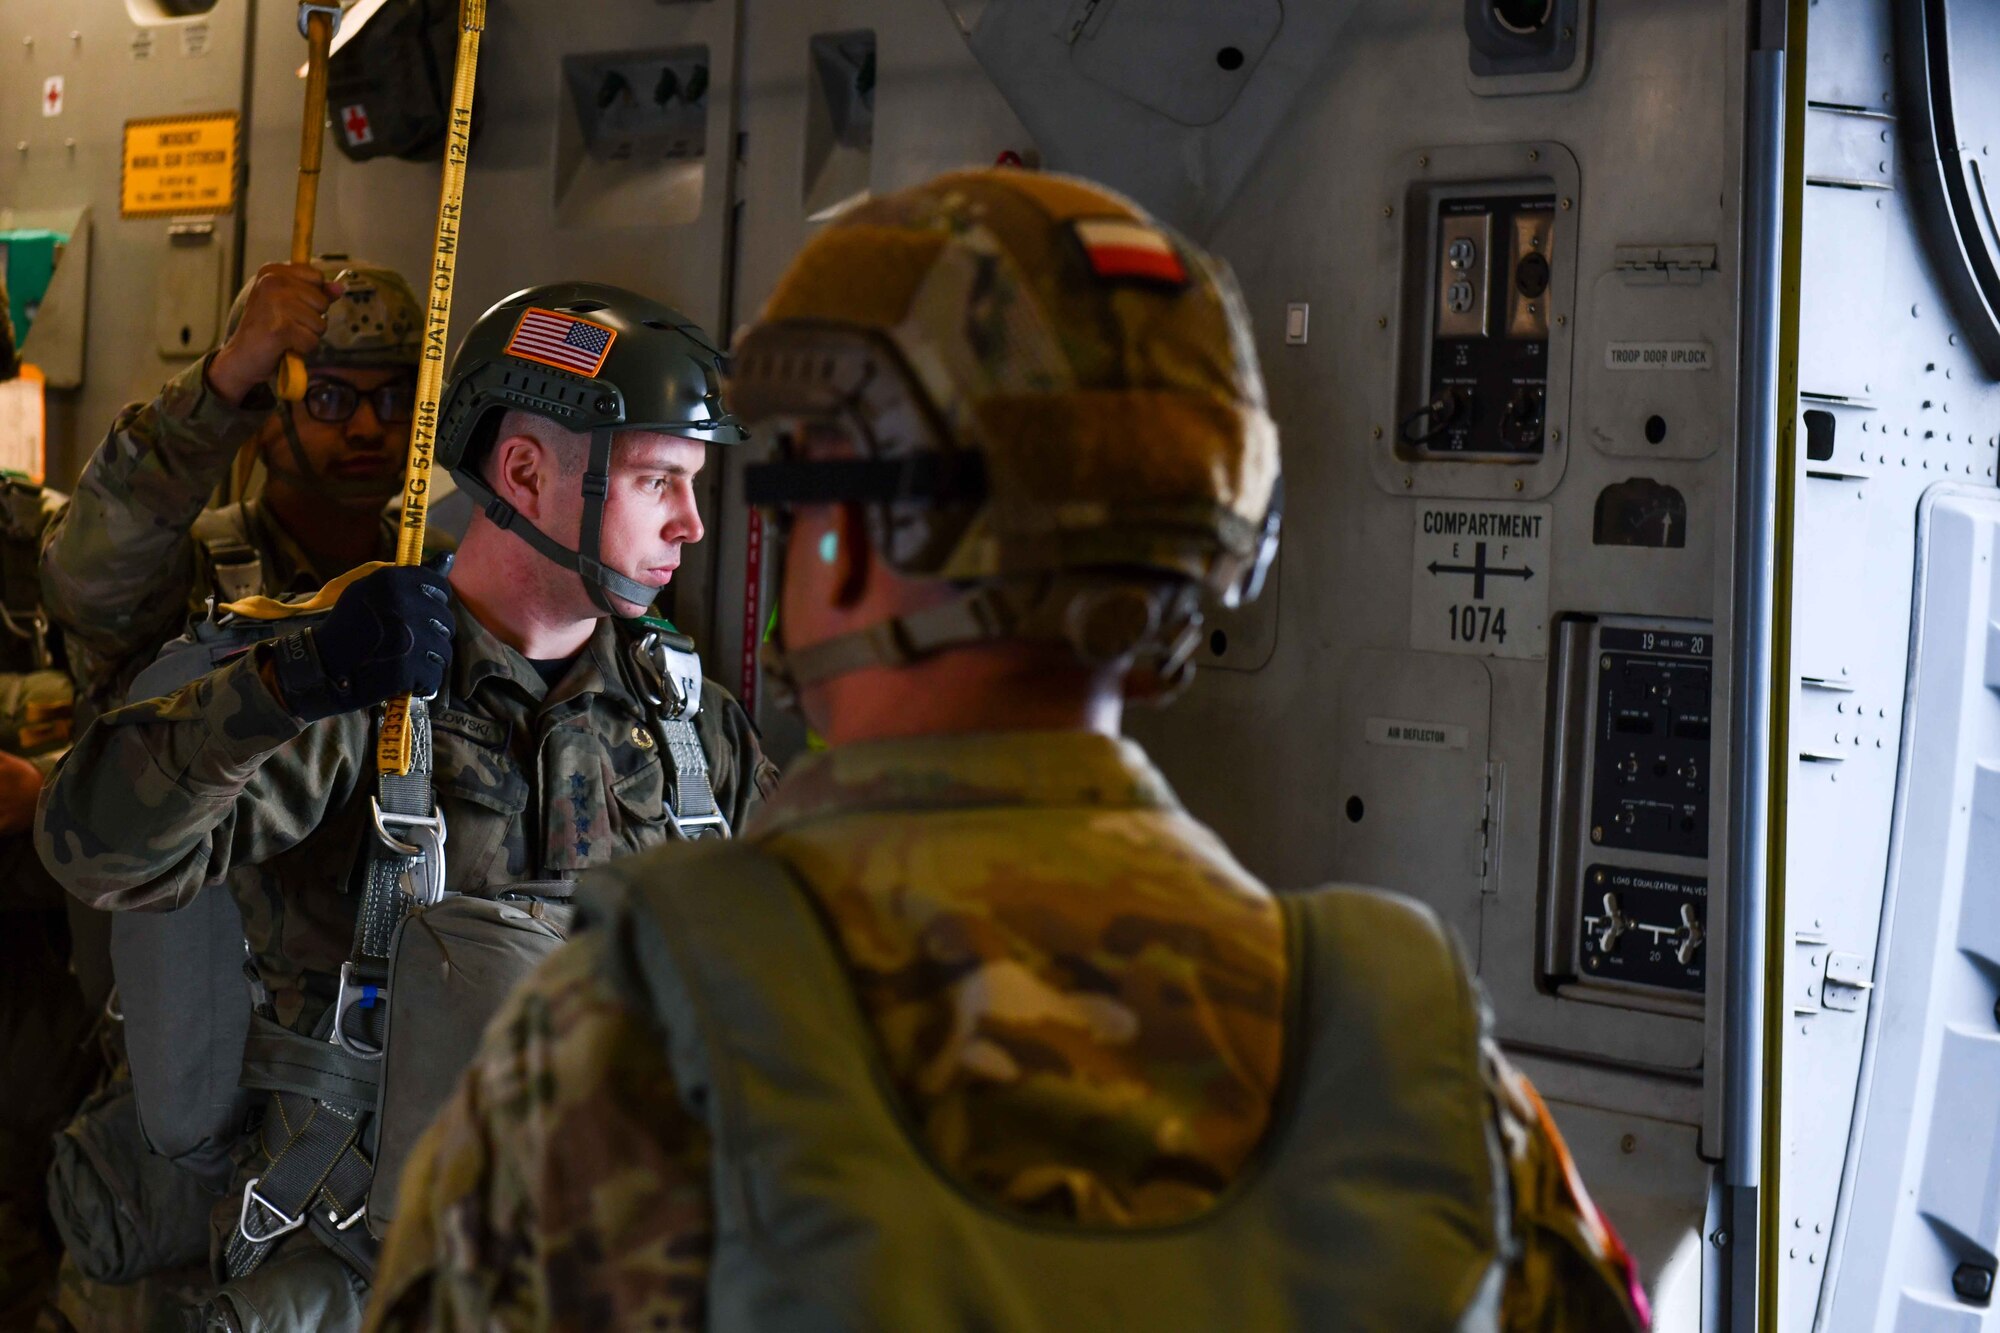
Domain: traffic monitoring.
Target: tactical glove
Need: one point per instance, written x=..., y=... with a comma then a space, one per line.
x=388, y=635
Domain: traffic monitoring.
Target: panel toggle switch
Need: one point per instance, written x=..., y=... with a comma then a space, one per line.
x=1616, y=923
x=1690, y=933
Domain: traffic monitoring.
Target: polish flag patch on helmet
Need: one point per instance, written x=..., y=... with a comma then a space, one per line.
x=562, y=341
x=1119, y=250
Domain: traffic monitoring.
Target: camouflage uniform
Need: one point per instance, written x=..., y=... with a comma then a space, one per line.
x=48, y=1027
x=1079, y=998
x=123, y=571
x=170, y=796
x=49, y=1057
x=165, y=797
x=1078, y=994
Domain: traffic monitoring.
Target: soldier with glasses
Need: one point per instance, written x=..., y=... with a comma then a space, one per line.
x=566, y=725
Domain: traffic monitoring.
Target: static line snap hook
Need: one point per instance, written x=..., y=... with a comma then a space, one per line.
x=307, y=8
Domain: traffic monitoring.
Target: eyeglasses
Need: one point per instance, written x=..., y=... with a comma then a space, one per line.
x=335, y=401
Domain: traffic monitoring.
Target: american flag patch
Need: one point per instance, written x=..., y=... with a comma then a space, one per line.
x=1118, y=249
x=562, y=341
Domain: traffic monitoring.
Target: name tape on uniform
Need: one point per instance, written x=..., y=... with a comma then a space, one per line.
x=1479, y=578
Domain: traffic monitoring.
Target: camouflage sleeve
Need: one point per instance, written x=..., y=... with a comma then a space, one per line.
x=119, y=565
x=742, y=775
x=1570, y=1272
x=562, y=1187
x=159, y=798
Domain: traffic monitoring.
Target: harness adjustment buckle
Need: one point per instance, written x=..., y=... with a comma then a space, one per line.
x=355, y=991
x=693, y=827
x=287, y=1225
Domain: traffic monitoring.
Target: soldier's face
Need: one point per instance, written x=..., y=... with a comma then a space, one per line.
x=362, y=457
x=649, y=510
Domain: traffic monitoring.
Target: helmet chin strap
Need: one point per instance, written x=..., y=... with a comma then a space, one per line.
x=602, y=582
x=1150, y=633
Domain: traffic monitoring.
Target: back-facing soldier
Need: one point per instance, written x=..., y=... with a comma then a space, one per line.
x=975, y=1027
x=566, y=730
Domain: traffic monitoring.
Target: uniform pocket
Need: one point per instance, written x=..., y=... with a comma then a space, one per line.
x=483, y=796
x=642, y=794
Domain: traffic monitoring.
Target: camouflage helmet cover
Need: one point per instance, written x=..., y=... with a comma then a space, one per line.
x=1100, y=366
x=377, y=321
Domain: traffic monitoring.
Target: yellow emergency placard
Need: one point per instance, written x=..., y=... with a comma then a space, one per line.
x=179, y=164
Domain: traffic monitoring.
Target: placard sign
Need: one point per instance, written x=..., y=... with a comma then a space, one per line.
x=179, y=164
x=1479, y=582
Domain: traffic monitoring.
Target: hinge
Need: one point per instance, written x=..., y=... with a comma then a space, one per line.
x=1491, y=821
x=1682, y=265
x=1844, y=984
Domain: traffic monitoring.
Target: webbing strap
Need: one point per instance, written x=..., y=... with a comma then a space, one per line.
x=670, y=680
x=277, y=1059
x=321, y=1099
x=979, y=616
x=594, y=572
x=319, y=1159
x=403, y=868
x=404, y=799
x=690, y=796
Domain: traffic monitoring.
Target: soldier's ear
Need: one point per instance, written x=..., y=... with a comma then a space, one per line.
x=519, y=473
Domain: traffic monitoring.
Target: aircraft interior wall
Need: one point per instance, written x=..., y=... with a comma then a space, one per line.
x=1385, y=725
x=1516, y=295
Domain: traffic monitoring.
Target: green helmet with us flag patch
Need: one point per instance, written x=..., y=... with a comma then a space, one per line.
x=595, y=359
x=1049, y=396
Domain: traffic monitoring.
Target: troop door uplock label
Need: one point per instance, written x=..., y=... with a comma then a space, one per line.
x=1479, y=582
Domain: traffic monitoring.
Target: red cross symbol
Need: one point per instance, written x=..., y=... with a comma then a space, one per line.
x=54, y=96
x=354, y=121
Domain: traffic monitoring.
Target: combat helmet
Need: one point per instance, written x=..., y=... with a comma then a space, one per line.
x=377, y=321
x=1056, y=401
x=594, y=359
x=375, y=324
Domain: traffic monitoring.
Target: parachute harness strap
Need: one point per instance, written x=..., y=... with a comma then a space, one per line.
x=392, y=754
x=669, y=675
x=318, y=1174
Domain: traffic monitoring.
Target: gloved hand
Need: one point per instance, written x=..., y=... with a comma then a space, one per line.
x=388, y=635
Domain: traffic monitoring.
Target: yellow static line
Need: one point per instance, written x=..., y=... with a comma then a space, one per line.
x=392, y=753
